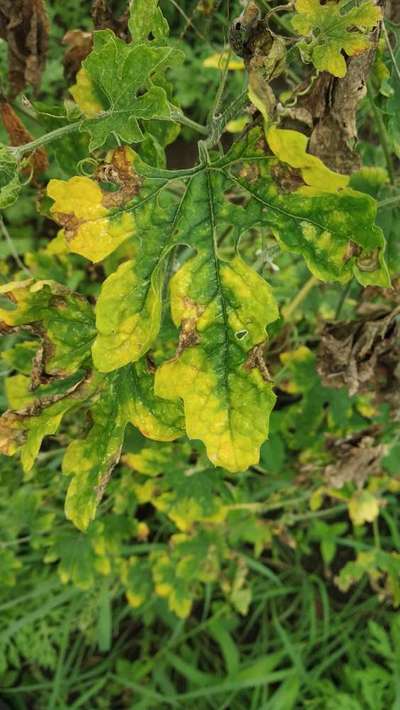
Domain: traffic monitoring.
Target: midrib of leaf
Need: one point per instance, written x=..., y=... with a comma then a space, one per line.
x=214, y=249
x=164, y=250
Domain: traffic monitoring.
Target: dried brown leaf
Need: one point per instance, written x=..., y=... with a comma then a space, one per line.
x=24, y=26
x=362, y=354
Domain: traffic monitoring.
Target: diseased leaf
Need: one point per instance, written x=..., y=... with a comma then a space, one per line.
x=61, y=318
x=334, y=231
x=25, y=428
x=223, y=311
x=115, y=88
x=122, y=396
x=333, y=28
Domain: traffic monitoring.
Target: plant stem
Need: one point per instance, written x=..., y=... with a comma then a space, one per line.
x=381, y=128
x=47, y=138
x=185, y=121
x=342, y=298
x=304, y=291
x=73, y=127
x=13, y=251
x=388, y=202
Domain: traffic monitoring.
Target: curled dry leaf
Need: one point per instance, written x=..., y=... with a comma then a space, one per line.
x=361, y=354
x=356, y=458
x=24, y=26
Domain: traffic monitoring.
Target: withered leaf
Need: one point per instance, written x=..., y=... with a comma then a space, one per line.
x=24, y=26
x=356, y=458
x=361, y=354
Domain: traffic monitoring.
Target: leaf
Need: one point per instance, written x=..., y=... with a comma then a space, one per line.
x=333, y=29
x=24, y=429
x=115, y=89
x=10, y=185
x=145, y=19
x=363, y=507
x=334, y=231
x=90, y=228
x=218, y=374
x=61, y=318
x=291, y=147
x=122, y=396
x=221, y=307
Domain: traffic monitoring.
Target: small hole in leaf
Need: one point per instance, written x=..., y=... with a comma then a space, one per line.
x=241, y=334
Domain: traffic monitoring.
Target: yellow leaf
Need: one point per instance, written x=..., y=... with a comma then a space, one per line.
x=363, y=507
x=291, y=147
x=90, y=229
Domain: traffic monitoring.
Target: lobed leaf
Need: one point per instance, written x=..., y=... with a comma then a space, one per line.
x=333, y=28
x=117, y=87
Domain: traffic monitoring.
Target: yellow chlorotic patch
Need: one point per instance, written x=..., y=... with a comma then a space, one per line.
x=291, y=147
x=89, y=229
x=83, y=94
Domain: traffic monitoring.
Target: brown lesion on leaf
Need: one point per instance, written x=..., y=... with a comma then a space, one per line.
x=356, y=458
x=69, y=222
x=119, y=171
x=14, y=423
x=362, y=354
x=188, y=336
x=256, y=359
x=287, y=178
x=106, y=476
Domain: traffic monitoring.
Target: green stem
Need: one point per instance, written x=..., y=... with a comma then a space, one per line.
x=20, y=150
x=380, y=126
x=185, y=121
x=389, y=202
x=345, y=292
x=288, y=310
x=47, y=138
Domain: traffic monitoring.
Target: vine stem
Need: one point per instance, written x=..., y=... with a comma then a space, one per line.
x=288, y=310
x=13, y=251
x=380, y=126
x=20, y=150
x=47, y=138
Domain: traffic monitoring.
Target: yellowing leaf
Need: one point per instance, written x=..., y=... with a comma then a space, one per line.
x=218, y=61
x=363, y=507
x=334, y=27
x=90, y=229
x=217, y=371
x=83, y=93
x=291, y=147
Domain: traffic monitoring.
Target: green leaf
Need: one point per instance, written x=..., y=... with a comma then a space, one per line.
x=115, y=88
x=333, y=28
x=10, y=186
x=145, y=18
